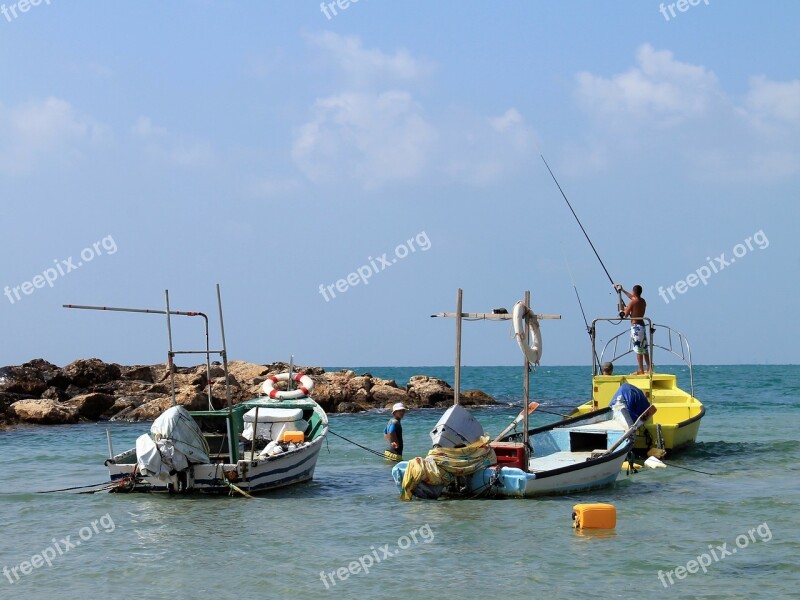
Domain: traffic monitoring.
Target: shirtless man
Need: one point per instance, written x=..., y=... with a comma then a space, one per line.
x=635, y=310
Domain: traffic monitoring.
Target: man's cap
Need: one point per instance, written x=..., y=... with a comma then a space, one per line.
x=398, y=406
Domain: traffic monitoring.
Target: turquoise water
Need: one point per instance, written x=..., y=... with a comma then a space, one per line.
x=278, y=545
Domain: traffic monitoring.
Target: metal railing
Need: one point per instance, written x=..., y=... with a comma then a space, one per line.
x=676, y=344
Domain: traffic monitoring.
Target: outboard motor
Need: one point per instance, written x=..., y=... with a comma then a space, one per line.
x=457, y=428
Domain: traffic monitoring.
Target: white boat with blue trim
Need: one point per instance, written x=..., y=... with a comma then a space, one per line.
x=581, y=453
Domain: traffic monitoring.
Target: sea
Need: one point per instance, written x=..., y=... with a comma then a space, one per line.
x=721, y=521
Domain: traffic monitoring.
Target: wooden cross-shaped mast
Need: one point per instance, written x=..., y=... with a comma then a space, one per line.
x=497, y=315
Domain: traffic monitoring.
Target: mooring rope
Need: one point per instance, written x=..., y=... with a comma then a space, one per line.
x=381, y=454
x=77, y=487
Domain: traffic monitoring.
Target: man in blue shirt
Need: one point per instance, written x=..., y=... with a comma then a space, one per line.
x=635, y=401
x=393, y=433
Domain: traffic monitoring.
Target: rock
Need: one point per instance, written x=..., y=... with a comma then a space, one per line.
x=237, y=392
x=283, y=367
x=246, y=373
x=74, y=390
x=189, y=399
x=137, y=373
x=92, y=389
x=7, y=399
x=350, y=407
x=91, y=406
x=187, y=380
x=328, y=396
x=54, y=393
x=429, y=391
x=43, y=412
x=379, y=381
x=357, y=384
x=386, y=395
x=476, y=398
x=124, y=405
x=124, y=387
x=22, y=379
x=92, y=371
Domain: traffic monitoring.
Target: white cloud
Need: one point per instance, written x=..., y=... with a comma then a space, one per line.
x=481, y=151
x=165, y=146
x=44, y=130
x=364, y=67
x=774, y=100
x=374, y=132
x=662, y=106
x=374, y=138
x=659, y=88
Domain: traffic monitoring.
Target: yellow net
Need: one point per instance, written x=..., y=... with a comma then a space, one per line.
x=442, y=465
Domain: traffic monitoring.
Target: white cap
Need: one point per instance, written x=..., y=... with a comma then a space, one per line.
x=398, y=406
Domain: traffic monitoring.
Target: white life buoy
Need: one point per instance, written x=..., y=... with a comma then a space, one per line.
x=306, y=385
x=525, y=319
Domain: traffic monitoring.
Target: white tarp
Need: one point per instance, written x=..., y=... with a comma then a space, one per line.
x=174, y=442
x=177, y=425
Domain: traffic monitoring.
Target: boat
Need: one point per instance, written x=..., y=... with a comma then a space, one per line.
x=574, y=455
x=218, y=461
x=264, y=443
x=677, y=420
x=581, y=453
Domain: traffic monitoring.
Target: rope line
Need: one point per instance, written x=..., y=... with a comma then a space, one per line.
x=381, y=454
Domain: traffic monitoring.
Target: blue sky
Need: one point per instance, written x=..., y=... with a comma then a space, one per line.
x=276, y=151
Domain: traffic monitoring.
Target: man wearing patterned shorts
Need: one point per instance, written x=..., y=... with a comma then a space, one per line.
x=635, y=311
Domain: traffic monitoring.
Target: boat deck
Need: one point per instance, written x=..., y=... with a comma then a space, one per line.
x=599, y=427
x=557, y=460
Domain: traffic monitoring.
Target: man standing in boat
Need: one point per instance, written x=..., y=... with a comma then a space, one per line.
x=393, y=433
x=635, y=311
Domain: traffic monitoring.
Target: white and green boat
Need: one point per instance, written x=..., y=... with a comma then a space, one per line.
x=258, y=445
x=205, y=451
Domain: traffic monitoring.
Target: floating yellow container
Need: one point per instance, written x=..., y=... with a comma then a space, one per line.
x=292, y=436
x=594, y=516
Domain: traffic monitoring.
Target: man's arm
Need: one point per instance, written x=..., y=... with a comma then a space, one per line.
x=619, y=288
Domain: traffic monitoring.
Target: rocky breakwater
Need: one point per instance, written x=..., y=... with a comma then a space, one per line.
x=40, y=392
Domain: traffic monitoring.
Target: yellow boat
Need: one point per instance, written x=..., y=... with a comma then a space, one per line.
x=677, y=420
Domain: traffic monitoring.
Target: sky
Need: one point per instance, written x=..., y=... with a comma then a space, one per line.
x=341, y=170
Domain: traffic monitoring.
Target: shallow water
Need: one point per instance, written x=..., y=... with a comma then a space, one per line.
x=284, y=544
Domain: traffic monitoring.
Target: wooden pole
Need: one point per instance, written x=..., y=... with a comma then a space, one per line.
x=457, y=391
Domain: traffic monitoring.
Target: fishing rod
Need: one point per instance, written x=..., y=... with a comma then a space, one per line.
x=621, y=303
x=585, y=322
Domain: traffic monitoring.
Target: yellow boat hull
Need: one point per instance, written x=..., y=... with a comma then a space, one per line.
x=679, y=413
